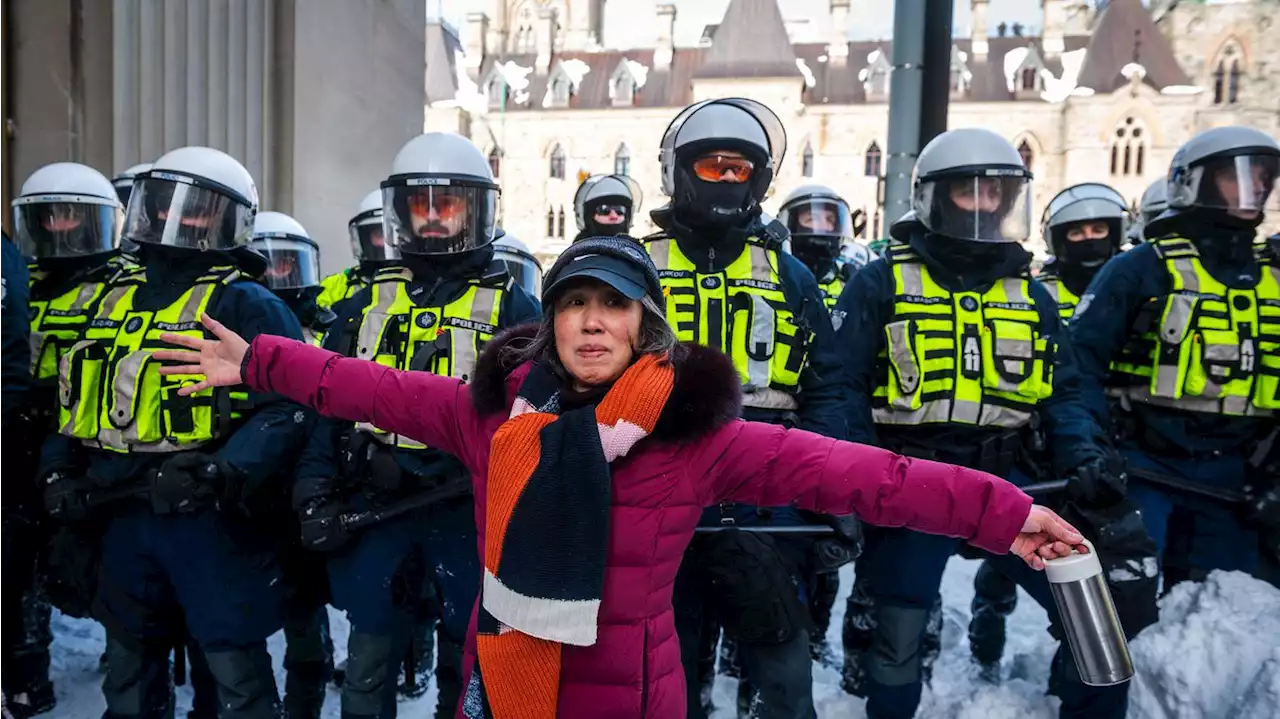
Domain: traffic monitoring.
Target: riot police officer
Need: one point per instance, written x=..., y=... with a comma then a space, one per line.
x=821, y=226
x=1182, y=334
x=513, y=257
x=966, y=350
x=730, y=286
x=292, y=269
x=1155, y=200
x=123, y=182
x=67, y=220
x=180, y=483
x=431, y=310
x=1083, y=227
x=606, y=205
x=370, y=248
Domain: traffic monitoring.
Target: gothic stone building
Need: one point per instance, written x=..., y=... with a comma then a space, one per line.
x=1105, y=92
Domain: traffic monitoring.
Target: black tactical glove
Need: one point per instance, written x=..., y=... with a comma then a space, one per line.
x=322, y=526
x=1128, y=555
x=1098, y=482
x=66, y=495
x=192, y=481
x=831, y=553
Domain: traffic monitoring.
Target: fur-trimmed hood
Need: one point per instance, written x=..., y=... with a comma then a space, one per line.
x=706, y=396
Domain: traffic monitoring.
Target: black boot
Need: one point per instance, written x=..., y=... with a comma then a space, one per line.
x=995, y=597
x=418, y=667
x=26, y=655
x=308, y=663
x=246, y=683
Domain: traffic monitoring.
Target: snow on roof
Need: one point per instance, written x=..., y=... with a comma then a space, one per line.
x=639, y=71
x=575, y=69
x=809, y=79
x=1181, y=90
x=1058, y=89
x=873, y=57
x=1012, y=62
x=1131, y=69
x=516, y=77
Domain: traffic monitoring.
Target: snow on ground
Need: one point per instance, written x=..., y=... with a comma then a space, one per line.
x=1214, y=654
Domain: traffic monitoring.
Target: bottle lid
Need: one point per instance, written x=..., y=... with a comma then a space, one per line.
x=1074, y=568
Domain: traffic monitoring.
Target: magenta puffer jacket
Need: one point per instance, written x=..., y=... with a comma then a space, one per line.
x=699, y=454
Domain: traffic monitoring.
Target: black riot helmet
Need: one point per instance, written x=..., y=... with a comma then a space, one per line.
x=718, y=158
x=819, y=223
x=606, y=205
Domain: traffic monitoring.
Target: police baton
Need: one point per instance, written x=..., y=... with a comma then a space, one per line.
x=1177, y=484
x=352, y=521
x=1035, y=490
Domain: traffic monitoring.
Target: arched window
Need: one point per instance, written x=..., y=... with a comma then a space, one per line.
x=622, y=161
x=557, y=163
x=1227, y=72
x=560, y=223
x=1128, y=149
x=806, y=161
x=551, y=222
x=495, y=162
x=871, y=168
x=1029, y=76
x=1024, y=149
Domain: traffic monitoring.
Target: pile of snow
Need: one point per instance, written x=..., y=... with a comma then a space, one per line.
x=1058, y=89
x=809, y=79
x=1214, y=652
x=516, y=76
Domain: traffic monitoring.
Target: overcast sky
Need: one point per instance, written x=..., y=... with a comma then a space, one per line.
x=869, y=19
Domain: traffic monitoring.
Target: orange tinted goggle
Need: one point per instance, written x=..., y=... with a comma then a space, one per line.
x=720, y=168
x=446, y=207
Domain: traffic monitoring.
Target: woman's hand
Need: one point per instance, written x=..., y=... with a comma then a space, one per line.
x=218, y=360
x=1045, y=535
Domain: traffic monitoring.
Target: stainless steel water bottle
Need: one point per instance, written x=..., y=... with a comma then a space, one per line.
x=1089, y=618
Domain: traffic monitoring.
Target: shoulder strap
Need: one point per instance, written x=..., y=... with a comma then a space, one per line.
x=1173, y=246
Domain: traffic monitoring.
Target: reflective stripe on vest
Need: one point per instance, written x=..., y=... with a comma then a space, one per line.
x=741, y=311
x=1204, y=347
x=56, y=324
x=1063, y=297
x=111, y=393
x=831, y=292
x=975, y=358
x=446, y=340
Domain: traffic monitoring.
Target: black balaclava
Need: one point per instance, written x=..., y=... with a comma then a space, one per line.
x=443, y=267
x=965, y=264
x=1077, y=262
x=818, y=253
x=718, y=207
x=595, y=229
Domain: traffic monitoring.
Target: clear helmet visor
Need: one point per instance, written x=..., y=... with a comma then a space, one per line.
x=818, y=216
x=1239, y=185
x=369, y=239
x=440, y=219
x=65, y=226
x=164, y=212
x=291, y=263
x=989, y=207
x=523, y=268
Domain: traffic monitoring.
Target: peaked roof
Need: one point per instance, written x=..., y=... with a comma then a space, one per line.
x=1125, y=27
x=751, y=41
x=443, y=51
